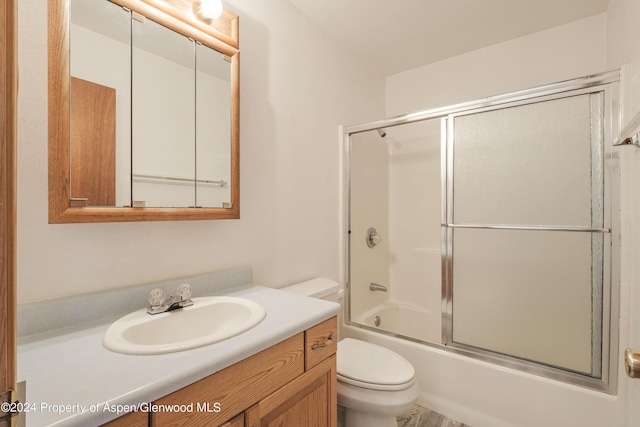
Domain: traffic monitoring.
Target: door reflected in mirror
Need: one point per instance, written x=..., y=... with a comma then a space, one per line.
x=151, y=113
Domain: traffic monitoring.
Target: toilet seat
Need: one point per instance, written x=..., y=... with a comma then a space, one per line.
x=371, y=366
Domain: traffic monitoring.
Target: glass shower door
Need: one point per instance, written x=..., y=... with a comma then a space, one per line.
x=395, y=188
x=517, y=218
x=525, y=230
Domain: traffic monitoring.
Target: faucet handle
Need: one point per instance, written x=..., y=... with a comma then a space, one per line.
x=184, y=292
x=157, y=297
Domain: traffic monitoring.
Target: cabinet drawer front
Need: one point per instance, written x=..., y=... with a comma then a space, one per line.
x=321, y=341
x=235, y=388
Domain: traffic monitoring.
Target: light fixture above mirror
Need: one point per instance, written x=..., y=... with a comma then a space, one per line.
x=209, y=9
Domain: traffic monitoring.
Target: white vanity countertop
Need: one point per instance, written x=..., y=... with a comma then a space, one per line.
x=72, y=380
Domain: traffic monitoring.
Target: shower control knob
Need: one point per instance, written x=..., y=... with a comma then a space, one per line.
x=372, y=238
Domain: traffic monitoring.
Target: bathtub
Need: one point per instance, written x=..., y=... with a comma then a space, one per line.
x=481, y=394
x=403, y=319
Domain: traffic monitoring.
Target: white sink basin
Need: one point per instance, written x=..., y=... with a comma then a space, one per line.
x=207, y=321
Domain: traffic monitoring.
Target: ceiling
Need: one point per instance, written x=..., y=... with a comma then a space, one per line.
x=398, y=35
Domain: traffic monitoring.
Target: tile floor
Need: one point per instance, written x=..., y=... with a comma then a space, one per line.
x=423, y=417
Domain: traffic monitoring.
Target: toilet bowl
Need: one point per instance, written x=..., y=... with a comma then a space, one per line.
x=375, y=384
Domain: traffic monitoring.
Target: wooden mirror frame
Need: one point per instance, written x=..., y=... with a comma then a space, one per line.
x=220, y=34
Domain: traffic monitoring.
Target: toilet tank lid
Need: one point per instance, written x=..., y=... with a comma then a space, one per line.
x=316, y=288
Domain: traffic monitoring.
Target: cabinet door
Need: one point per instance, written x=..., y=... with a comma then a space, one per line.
x=235, y=388
x=308, y=401
x=235, y=422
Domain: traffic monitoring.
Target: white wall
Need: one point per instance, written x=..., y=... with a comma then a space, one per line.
x=297, y=86
x=623, y=49
x=561, y=53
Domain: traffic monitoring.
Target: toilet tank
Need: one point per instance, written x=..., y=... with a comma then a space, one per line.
x=320, y=287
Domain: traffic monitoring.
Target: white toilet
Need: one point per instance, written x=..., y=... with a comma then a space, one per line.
x=375, y=384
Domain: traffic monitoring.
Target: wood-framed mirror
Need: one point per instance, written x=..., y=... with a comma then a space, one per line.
x=93, y=177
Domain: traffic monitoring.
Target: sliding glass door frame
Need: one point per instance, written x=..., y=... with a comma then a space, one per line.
x=607, y=82
x=604, y=316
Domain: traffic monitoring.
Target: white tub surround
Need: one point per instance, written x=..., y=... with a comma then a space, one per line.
x=72, y=380
x=406, y=320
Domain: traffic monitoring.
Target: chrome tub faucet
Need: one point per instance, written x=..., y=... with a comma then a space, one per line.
x=377, y=288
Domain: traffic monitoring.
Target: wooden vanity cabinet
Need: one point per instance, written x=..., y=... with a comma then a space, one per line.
x=134, y=419
x=235, y=422
x=291, y=384
x=307, y=401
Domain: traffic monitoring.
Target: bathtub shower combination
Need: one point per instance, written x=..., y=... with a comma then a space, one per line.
x=488, y=229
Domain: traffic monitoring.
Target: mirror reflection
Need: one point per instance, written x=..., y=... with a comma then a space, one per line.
x=213, y=127
x=100, y=63
x=153, y=113
x=163, y=124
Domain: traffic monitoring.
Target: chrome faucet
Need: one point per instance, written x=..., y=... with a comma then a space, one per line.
x=159, y=303
x=375, y=287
